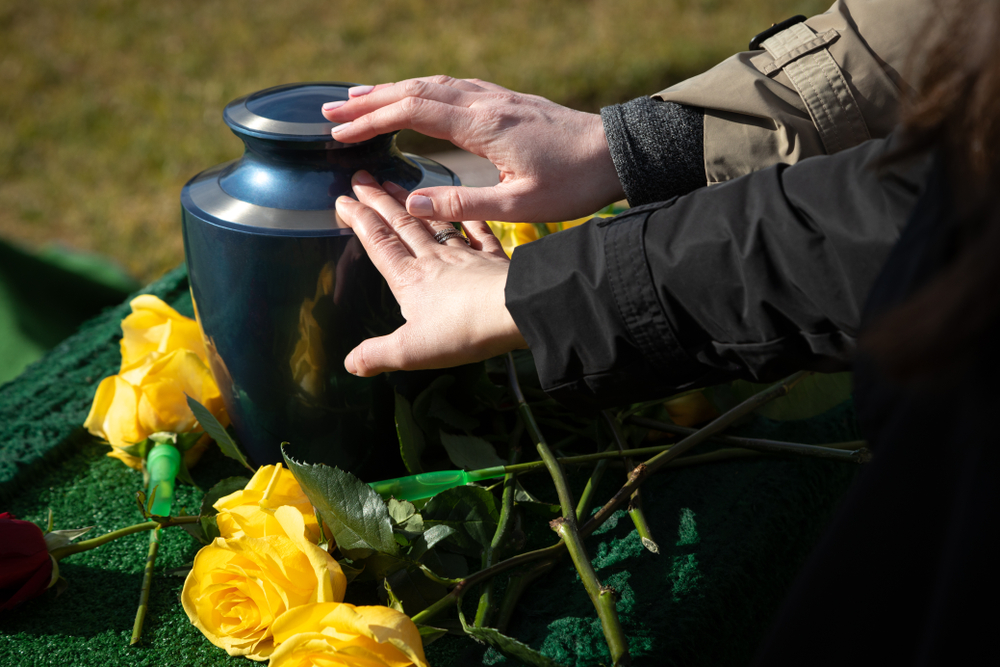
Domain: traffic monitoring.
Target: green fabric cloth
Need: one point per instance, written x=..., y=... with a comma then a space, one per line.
x=45, y=296
x=731, y=535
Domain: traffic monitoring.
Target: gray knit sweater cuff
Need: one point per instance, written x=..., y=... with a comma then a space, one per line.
x=657, y=148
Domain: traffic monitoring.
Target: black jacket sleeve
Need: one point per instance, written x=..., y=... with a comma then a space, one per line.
x=753, y=279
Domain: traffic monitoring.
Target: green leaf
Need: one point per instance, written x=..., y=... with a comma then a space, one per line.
x=469, y=452
x=400, y=510
x=186, y=441
x=56, y=539
x=350, y=569
x=413, y=590
x=140, y=449
x=221, y=489
x=509, y=646
x=471, y=511
x=184, y=474
x=522, y=495
x=411, y=438
x=429, y=538
x=218, y=432
x=381, y=565
x=813, y=396
x=356, y=516
x=433, y=404
x=444, y=564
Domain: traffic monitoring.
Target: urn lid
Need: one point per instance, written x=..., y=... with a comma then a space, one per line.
x=292, y=171
x=291, y=112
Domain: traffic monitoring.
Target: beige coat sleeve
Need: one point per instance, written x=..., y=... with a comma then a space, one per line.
x=815, y=88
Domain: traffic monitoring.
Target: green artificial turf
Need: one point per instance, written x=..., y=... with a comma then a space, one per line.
x=732, y=535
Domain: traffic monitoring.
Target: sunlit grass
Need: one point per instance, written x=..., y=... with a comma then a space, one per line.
x=108, y=107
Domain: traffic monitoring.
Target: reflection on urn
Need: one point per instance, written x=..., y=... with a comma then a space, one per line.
x=308, y=361
x=284, y=291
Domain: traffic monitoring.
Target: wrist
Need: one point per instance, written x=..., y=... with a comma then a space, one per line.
x=607, y=186
x=502, y=333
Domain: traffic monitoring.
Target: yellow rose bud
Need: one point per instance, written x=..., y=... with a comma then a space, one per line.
x=238, y=587
x=250, y=512
x=342, y=634
x=154, y=326
x=148, y=396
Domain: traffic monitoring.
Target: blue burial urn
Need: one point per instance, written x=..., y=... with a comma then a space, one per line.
x=282, y=289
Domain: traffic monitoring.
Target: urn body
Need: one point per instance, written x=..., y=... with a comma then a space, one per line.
x=282, y=289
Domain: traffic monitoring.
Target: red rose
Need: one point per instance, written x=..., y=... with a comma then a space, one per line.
x=25, y=564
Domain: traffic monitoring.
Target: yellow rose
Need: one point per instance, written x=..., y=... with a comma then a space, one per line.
x=342, y=634
x=514, y=234
x=154, y=326
x=238, y=587
x=250, y=512
x=148, y=396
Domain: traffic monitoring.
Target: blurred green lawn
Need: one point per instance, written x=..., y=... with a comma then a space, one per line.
x=109, y=106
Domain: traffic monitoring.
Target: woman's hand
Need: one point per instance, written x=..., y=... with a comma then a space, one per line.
x=451, y=294
x=554, y=162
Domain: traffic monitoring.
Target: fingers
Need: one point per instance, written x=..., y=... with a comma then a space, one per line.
x=481, y=237
x=457, y=204
x=403, y=349
x=365, y=99
x=400, y=194
x=417, y=234
x=433, y=118
x=386, y=250
x=377, y=355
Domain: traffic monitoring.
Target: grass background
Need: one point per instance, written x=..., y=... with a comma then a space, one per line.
x=109, y=106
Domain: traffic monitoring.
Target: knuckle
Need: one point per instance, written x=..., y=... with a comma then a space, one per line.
x=453, y=203
x=441, y=79
x=379, y=240
x=361, y=362
x=415, y=88
x=402, y=220
x=411, y=106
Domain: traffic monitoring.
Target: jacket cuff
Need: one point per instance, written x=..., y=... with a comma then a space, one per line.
x=585, y=302
x=657, y=148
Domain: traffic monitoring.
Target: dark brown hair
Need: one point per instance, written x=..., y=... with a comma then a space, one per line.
x=955, y=113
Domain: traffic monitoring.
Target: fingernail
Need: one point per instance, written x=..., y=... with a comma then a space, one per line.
x=420, y=206
x=363, y=178
x=340, y=128
x=330, y=106
x=344, y=199
x=358, y=91
x=391, y=187
x=349, y=364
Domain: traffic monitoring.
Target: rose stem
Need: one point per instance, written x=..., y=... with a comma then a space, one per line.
x=644, y=470
x=822, y=451
x=486, y=605
x=555, y=550
x=848, y=452
x=602, y=597
x=587, y=495
x=93, y=543
x=635, y=502
x=147, y=583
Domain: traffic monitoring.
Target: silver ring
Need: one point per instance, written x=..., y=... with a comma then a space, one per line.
x=443, y=236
